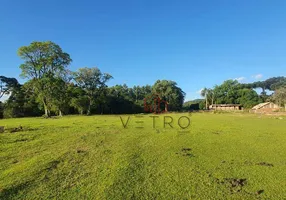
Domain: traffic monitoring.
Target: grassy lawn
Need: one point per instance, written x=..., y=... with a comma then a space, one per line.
x=223, y=156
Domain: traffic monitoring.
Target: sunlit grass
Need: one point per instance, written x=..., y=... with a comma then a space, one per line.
x=223, y=156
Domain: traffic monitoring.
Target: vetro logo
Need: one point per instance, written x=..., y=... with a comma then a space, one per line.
x=182, y=122
x=154, y=104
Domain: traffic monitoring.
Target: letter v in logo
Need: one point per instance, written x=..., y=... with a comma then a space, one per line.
x=124, y=125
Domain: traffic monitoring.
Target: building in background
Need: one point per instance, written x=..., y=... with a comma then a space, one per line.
x=225, y=107
x=266, y=107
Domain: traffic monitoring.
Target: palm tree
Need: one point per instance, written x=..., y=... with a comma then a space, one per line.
x=204, y=93
x=212, y=95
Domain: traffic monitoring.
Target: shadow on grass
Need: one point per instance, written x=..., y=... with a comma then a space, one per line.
x=12, y=192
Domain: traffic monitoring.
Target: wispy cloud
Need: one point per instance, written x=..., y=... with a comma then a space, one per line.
x=199, y=91
x=257, y=76
x=240, y=79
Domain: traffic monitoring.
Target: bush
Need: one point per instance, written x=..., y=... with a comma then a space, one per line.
x=10, y=112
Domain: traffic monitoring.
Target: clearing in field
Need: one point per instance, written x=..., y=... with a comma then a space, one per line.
x=224, y=156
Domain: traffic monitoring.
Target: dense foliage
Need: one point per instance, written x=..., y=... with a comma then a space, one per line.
x=233, y=92
x=51, y=89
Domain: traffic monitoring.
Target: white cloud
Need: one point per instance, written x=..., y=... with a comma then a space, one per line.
x=199, y=91
x=257, y=76
x=240, y=79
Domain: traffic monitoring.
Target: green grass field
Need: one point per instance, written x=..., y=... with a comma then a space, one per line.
x=223, y=156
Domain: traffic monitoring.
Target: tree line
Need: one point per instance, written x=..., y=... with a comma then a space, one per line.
x=245, y=94
x=52, y=89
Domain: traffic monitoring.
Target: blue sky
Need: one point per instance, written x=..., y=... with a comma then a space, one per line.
x=195, y=43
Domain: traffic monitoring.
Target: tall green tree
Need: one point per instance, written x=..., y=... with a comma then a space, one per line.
x=270, y=84
x=276, y=82
x=93, y=82
x=21, y=103
x=14, y=106
x=60, y=98
x=279, y=97
x=120, y=100
x=248, y=98
x=205, y=93
x=43, y=61
x=79, y=99
x=212, y=96
x=169, y=91
x=232, y=92
x=58, y=95
x=227, y=92
x=7, y=85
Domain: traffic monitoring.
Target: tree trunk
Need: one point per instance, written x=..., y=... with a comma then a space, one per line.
x=89, y=106
x=88, y=110
x=47, y=111
x=206, y=103
x=60, y=113
x=102, y=108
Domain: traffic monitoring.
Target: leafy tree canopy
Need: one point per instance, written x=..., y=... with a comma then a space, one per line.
x=7, y=85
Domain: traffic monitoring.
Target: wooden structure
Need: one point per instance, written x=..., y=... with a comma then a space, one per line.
x=265, y=107
x=225, y=107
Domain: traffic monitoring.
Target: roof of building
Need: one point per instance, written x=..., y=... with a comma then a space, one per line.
x=260, y=105
x=225, y=105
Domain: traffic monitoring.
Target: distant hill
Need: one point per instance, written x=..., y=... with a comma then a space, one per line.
x=193, y=101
